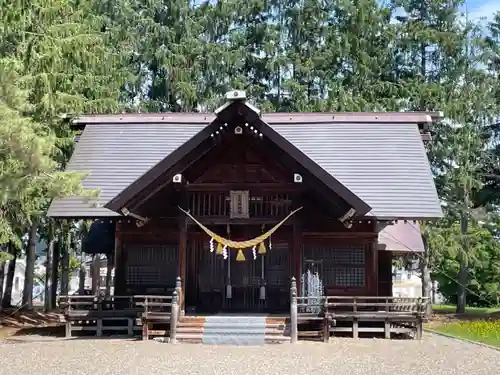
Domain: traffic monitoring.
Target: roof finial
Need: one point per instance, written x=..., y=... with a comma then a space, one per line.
x=236, y=95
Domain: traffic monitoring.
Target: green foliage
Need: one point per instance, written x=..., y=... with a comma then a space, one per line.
x=485, y=331
x=4, y=256
x=483, y=259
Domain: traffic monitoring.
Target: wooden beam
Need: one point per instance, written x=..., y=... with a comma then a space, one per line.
x=223, y=220
x=268, y=187
x=167, y=177
x=347, y=235
x=170, y=162
x=120, y=279
x=311, y=182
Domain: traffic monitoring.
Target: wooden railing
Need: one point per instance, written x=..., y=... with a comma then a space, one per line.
x=398, y=314
x=217, y=204
x=99, y=313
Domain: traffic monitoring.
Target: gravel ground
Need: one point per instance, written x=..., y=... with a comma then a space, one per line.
x=434, y=355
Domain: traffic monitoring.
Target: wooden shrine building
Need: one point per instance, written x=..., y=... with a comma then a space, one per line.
x=362, y=179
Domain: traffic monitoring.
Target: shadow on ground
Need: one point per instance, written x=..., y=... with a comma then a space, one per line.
x=31, y=322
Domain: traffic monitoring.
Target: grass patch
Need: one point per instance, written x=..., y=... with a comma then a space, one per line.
x=468, y=310
x=485, y=331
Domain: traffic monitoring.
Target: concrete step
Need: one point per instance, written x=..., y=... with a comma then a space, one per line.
x=241, y=340
x=241, y=330
x=231, y=330
x=223, y=325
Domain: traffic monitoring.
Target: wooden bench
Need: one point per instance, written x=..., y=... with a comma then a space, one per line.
x=398, y=315
x=113, y=315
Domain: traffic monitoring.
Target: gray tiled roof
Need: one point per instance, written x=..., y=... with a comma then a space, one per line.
x=116, y=155
x=385, y=164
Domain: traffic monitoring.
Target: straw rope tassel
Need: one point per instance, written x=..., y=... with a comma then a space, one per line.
x=262, y=248
x=240, y=257
x=219, y=250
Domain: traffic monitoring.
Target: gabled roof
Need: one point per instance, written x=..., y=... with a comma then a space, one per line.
x=379, y=157
x=252, y=116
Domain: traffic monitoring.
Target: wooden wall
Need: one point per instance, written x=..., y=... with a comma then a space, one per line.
x=346, y=255
x=248, y=163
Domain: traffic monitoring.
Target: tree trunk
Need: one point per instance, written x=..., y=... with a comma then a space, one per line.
x=65, y=268
x=48, y=275
x=2, y=280
x=109, y=271
x=425, y=274
x=11, y=270
x=82, y=275
x=463, y=278
x=30, y=267
x=55, y=274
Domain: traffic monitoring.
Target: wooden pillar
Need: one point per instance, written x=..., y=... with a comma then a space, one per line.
x=96, y=273
x=120, y=281
x=182, y=249
x=374, y=248
x=109, y=270
x=371, y=268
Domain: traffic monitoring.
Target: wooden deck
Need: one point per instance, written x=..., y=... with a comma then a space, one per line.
x=310, y=317
x=330, y=315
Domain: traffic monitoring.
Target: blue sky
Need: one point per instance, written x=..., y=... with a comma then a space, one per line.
x=477, y=8
x=482, y=8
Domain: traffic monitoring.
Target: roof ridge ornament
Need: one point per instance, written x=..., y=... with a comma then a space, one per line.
x=236, y=96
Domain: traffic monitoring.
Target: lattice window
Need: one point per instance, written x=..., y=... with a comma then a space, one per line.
x=151, y=265
x=343, y=266
x=277, y=265
x=348, y=256
x=148, y=275
x=349, y=276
